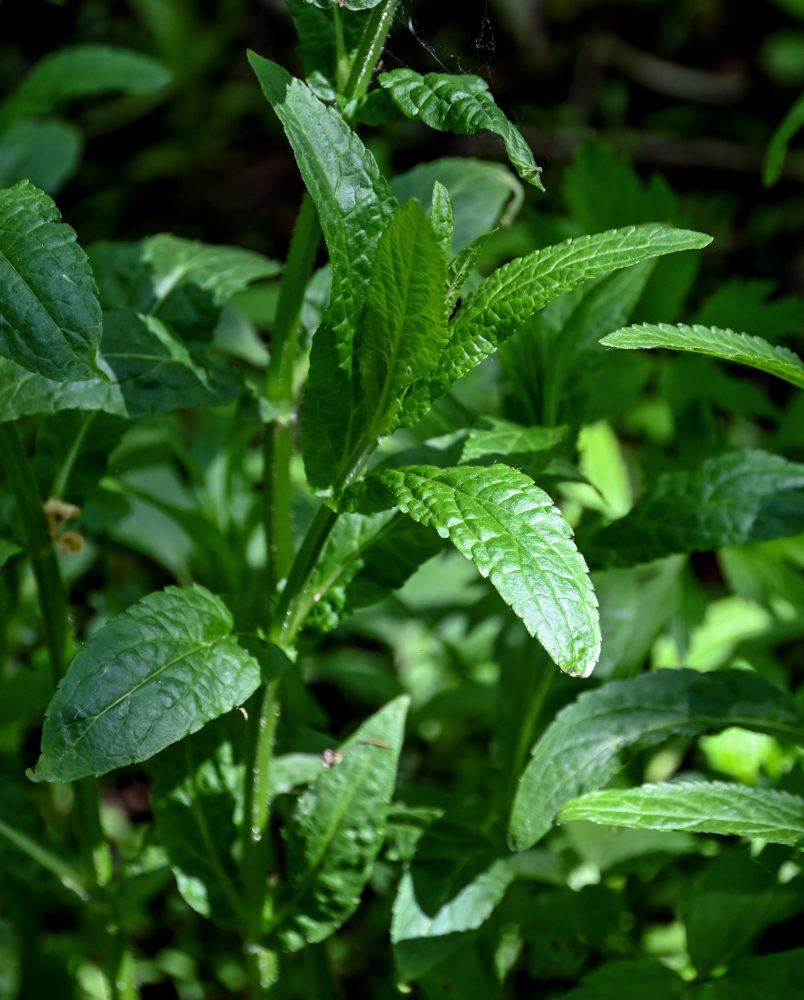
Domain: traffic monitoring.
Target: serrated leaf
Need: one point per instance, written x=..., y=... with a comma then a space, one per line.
x=438, y=903
x=461, y=104
x=739, y=497
x=338, y=829
x=494, y=440
x=81, y=71
x=150, y=676
x=698, y=807
x=354, y=207
x=44, y=152
x=196, y=796
x=510, y=529
x=483, y=195
x=147, y=371
x=50, y=318
x=442, y=220
x=752, y=307
x=498, y=307
x=404, y=328
x=591, y=740
x=348, y=4
x=714, y=342
x=776, y=154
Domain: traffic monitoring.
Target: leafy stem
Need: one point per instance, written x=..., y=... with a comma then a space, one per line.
x=379, y=24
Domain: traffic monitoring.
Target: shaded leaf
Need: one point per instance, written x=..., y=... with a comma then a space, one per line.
x=715, y=342
x=776, y=153
x=772, y=977
x=149, y=677
x=731, y=499
x=629, y=980
x=44, y=152
x=81, y=71
x=591, y=740
x=50, y=318
x=510, y=529
x=696, y=806
x=461, y=104
x=337, y=831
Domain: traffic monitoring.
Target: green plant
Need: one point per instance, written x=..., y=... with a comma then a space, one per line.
x=270, y=833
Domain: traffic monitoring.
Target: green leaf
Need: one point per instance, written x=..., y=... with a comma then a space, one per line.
x=440, y=901
x=696, y=806
x=338, y=829
x=715, y=342
x=731, y=499
x=149, y=677
x=752, y=307
x=734, y=900
x=442, y=220
x=510, y=529
x=496, y=440
x=81, y=71
x=348, y=4
x=629, y=980
x=501, y=304
x=44, y=152
x=197, y=787
x=317, y=42
x=772, y=977
x=591, y=740
x=404, y=328
x=354, y=207
x=460, y=104
x=777, y=150
x=483, y=195
x=50, y=319
x=147, y=371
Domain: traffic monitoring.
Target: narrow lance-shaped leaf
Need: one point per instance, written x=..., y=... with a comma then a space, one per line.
x=338, y=829
x=50, y=319
x=81, y=71
x=442, y=219
x=732, y=499
x=591, y=740
x=509, y=528
x=354, y=207
x=461, y=104
x=698, y=807
x=349, y=4
x=498, y=307
x=404, y=327
x=149, y=677
x=715, y=342
x=777, y=150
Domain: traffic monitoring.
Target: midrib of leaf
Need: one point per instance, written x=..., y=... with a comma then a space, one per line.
x=226, y=885
x=146, y=680
x=312, y=870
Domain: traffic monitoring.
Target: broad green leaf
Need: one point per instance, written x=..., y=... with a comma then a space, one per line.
x=510, y=529
x=337, y=831
x=697, y=806
x=461, y=104
x=147, y=370
x=500, y=305
x=50, y=319
x=354, y=207
x=483, y=195
x=150, y=676
x=732, y=902
x=738, y=497
x=439, y=902
x=496, y=440
x=773, y=977
x=44, y=152
x=715, y=342
x=636, y=979
x=404, y=328
x=197, y=787
x=591, y=740
x=776, y=154
x=81, y=71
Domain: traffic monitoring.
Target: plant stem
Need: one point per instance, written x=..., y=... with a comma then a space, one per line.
x=279, y=390
x=342, y=66
x=371, y=44
x=59, y=487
